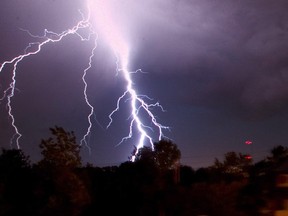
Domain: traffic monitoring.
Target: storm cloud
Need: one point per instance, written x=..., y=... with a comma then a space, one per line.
x=234, y=53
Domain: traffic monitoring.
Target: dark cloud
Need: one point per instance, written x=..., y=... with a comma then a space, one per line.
x=230, y=53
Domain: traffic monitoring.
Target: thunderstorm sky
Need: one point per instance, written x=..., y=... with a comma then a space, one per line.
x=219, y=69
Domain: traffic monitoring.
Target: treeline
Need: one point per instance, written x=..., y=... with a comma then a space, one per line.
x=154, y=184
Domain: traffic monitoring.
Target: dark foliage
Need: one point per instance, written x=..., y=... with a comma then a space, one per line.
x=152, y=185
x=61, y=150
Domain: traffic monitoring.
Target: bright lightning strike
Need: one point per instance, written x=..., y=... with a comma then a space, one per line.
x=113, y=36
x=111, y=32
x=136, y=104
x=32, y=49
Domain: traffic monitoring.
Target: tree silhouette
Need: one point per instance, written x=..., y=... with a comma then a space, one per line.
x=15, y=182
x=61, y=150
x=146, y=154
x=68, y=193
x=13, y=159
x=234, y=166
x=165, y=155
x=278, y=154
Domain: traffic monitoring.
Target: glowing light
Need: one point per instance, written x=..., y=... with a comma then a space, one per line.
x=248, y=157
x=114, y=37
x=106, y=26
x=84, y=139
x=109, y=30
x=32, y=49
x=248, y=142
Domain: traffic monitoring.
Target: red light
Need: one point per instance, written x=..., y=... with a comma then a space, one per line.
x=248, y=157
x=248, y=142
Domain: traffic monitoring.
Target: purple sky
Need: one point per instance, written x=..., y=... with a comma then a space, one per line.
x=219, y=69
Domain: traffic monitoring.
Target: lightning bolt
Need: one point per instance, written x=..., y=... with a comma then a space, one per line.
x=114, y=37
x=84, y=139
x=137, y=104
x=32, y=49
x=106, y=26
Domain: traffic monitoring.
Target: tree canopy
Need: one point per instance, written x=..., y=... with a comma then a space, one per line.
x=278, y=154
x=13, y=159
x=61, y=150
x=151, y=185
x=165, y=155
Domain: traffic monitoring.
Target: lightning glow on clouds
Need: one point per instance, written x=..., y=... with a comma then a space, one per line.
x=111, y=31
x=99, y=21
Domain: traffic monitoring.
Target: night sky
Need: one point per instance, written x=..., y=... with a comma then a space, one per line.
x=218, y=68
